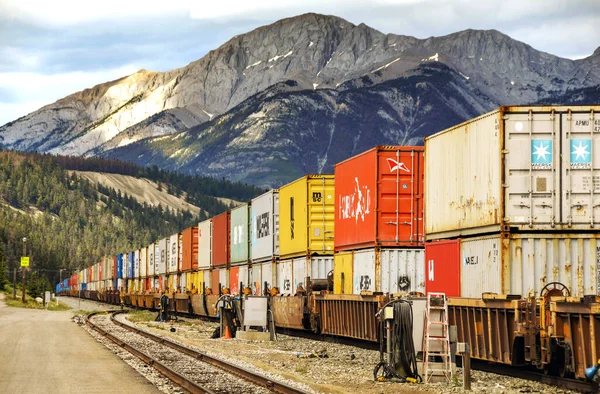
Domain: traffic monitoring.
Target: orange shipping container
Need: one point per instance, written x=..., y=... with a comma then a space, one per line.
x=190, y=249
x=234, y=280
x=379, y=199
x=220, y=240
x=215, y=281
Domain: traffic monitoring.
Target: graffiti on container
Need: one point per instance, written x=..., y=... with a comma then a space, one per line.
x=291, y=217
x=403, y=283
x=238, y=234
x=287, y=285
x=397, y=165
x=262, y=225
x=357, y=204
x=365, y=282
x=430, y=270
x=471, y=260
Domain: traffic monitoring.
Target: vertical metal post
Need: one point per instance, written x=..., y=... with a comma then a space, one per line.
x=23, y=269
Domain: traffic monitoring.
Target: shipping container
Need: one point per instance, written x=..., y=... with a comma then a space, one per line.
x=342, y=272
x=220, y=240
x=180, y=252
x=183, y=283
x=173, y=283
x=216, y=282
x=131, y=265
x=115, y=268
x=125, y=265
x=151, y=260
x=284, y=276
x=143, y=262
x=239, y=234
x=306, y=216
x=442, y=267
x=389, y=270
x=161, y=257
x=516, y=168
x=523, y=263
x=379, y=199
x=205, y=278
x=265, y=277
x=205, y=244
x=136, y=264
x=189, y=249
x=173, y=261
x=265, y=227
x=238, y=279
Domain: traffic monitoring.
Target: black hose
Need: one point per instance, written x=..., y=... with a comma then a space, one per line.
x=403, y=348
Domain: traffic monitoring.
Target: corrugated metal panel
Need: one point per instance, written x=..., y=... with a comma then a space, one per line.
x=306, y=216
x=130, y=264
x=151, y=260
x=320, y=266
x=263, y=274
x=220, y=240
x=265, y=226
x=528, y=168
x=239, y=234
x=522, y=263
x=389, y=270
x=183, y=283
x=284, y=277
x=206, y=280
x=174, y=253
x=143, y=262
x=442, y=267
x=234, y=280
x=342, y=272
x=299, y=273
x=189, y=246
x=244, y=277
x=180, y=252
x=379, y=197
x=205, y=244
x=161, y=257
x=119, y=267
x=136, y=264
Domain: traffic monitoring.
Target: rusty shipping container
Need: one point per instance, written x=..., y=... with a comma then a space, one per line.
x=516, y=168
x=220, y=240
x=205, y=230
x=442, y=267
x=265, y=227
x=521, y=263
x=189, y=249
x=389, y=270
x=379, y=199
x=306, y=211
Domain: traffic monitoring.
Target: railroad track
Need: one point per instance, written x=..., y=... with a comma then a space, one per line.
x=534, y=375
x=200, y=373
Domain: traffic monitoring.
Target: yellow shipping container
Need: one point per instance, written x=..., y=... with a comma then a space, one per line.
x=342, y=272
x=306, y=215
x=191, y=282
x=136, y=285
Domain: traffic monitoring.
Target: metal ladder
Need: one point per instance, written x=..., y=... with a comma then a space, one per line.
x=439, y=318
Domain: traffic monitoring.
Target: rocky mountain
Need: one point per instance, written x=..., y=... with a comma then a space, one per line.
x=313, y=81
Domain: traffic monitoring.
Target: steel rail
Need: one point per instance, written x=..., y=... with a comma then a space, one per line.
x=259, y=380
x=175, y=377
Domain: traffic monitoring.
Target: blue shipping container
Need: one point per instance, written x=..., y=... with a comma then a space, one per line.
x=130, y=266
x=120, y=266
x=84, y=286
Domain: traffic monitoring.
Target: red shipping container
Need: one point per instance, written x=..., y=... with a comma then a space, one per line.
x=190, y=249
x=114, y=272
x=234, y=280
x=90, y=280
x=100, y=270
x=379, y=199
x=442, y=267
x=220, y=240
x=215, y=281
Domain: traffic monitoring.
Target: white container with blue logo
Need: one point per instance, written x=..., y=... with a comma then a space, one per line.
x=515, y=169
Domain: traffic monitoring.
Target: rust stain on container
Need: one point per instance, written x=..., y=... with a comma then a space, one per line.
x=288, y=311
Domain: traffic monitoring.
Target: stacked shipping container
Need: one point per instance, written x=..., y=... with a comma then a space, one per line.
x=264, y=239
x=521, y=196
x=379, y=222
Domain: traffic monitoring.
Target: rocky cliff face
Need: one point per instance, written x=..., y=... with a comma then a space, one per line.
x=324, y=56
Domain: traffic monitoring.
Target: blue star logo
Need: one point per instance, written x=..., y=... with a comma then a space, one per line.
x=581, y=151
x=541, y=152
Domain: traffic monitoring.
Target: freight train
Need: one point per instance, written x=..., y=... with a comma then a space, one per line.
x=501, y=213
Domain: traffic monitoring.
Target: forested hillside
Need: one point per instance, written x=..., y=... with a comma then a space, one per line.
x=71, y=223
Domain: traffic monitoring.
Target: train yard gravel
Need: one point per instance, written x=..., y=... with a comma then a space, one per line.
x=340, y=369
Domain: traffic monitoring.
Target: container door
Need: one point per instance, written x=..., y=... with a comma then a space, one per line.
x=267, y=275
x=481, y=269
x=321, y=212
x=234, y=280
x=442, y=267
x=206, y=280
x=243, y=277
x=284, y=277
x=402, y=271
x=531, y=170
x=581, y=169
x=320, y=266
x=342, y=273
x=363, y=271
x=223, y=277
x=299, y=274
x=216, y=282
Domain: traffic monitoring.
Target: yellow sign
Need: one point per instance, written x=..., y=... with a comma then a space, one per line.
x=24, y=261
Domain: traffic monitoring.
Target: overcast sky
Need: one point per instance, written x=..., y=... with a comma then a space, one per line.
x=49, y=49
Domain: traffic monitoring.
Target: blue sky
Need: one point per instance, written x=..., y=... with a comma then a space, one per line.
x=51, y=49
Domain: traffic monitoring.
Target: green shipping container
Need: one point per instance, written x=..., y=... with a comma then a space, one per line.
x=240, y=240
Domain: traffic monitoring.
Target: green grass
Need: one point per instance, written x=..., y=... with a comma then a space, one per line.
x=137, y=316
x=33, y=304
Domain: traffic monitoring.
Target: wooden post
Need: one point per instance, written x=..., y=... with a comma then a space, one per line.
x=467, y=368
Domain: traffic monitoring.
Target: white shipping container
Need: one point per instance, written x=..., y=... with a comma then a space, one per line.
x=398, y=270
x=527, y=168
x=524, y=263
x=298, y=273
x=207, y=276
x=205, y=244
x=265, y=226
x=136, y=264
x=161, y=267
x=174, y=253
x=285, y=280
x=320, y=266
x=151, y=260
x=143, y=262
x=180, y=248
x=223, y=278
x=243, y=276
x=182, y=283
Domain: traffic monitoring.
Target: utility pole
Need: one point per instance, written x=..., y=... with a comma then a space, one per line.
x=24, y=268
x=15, y=283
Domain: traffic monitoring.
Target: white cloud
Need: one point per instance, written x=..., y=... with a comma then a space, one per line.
x=32, y=91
